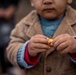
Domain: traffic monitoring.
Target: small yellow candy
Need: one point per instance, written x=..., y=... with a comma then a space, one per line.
x=50, y=40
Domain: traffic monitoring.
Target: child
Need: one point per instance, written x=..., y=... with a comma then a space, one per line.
x=28, y=47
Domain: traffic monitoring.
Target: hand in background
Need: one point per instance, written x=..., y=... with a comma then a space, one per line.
x=2, y=12
x=8, y=13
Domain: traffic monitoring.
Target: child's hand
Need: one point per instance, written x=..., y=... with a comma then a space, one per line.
x=37, y=44
x=65, y=43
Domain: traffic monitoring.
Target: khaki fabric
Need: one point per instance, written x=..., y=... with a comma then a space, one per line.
x=51, y=63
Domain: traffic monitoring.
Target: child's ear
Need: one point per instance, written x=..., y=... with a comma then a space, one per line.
x=69, y=1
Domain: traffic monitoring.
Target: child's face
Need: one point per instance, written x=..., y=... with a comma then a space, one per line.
x=50, y=9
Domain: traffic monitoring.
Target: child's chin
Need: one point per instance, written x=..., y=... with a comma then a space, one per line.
x=49, y=17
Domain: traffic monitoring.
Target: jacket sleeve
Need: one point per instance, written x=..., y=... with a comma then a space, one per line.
x=20, y=57
x=17, y=39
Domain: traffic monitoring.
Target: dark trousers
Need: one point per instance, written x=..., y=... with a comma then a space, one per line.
x=5, y=64
x=5, y=30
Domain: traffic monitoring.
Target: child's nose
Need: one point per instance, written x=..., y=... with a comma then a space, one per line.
x=47, y=1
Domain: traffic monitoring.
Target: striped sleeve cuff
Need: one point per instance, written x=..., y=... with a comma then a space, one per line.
x=74, y=61
x=20, y=57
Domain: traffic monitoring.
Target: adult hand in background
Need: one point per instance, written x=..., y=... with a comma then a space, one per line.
x=9, y=12
x=2, y=12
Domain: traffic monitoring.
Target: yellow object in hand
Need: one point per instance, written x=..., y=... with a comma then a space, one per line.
x=50, y=40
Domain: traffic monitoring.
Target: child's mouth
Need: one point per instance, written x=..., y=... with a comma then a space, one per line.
x=49, y=9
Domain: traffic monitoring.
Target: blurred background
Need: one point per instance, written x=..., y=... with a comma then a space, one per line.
x=11, y=12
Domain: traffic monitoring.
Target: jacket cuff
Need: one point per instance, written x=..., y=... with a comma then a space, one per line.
x=20, y=57
x=71, y=58
x=29, y=59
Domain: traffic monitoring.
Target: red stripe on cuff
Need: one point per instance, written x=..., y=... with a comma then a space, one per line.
x=28, y=59
x=73, y=56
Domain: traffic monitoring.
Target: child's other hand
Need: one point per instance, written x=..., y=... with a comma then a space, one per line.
x=64, y=43
x=37, y=44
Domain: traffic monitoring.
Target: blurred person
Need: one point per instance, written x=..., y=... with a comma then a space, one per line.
x=7, y=23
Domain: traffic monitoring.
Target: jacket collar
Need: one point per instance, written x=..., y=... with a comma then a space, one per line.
x=64, y=27
x=34, y=24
